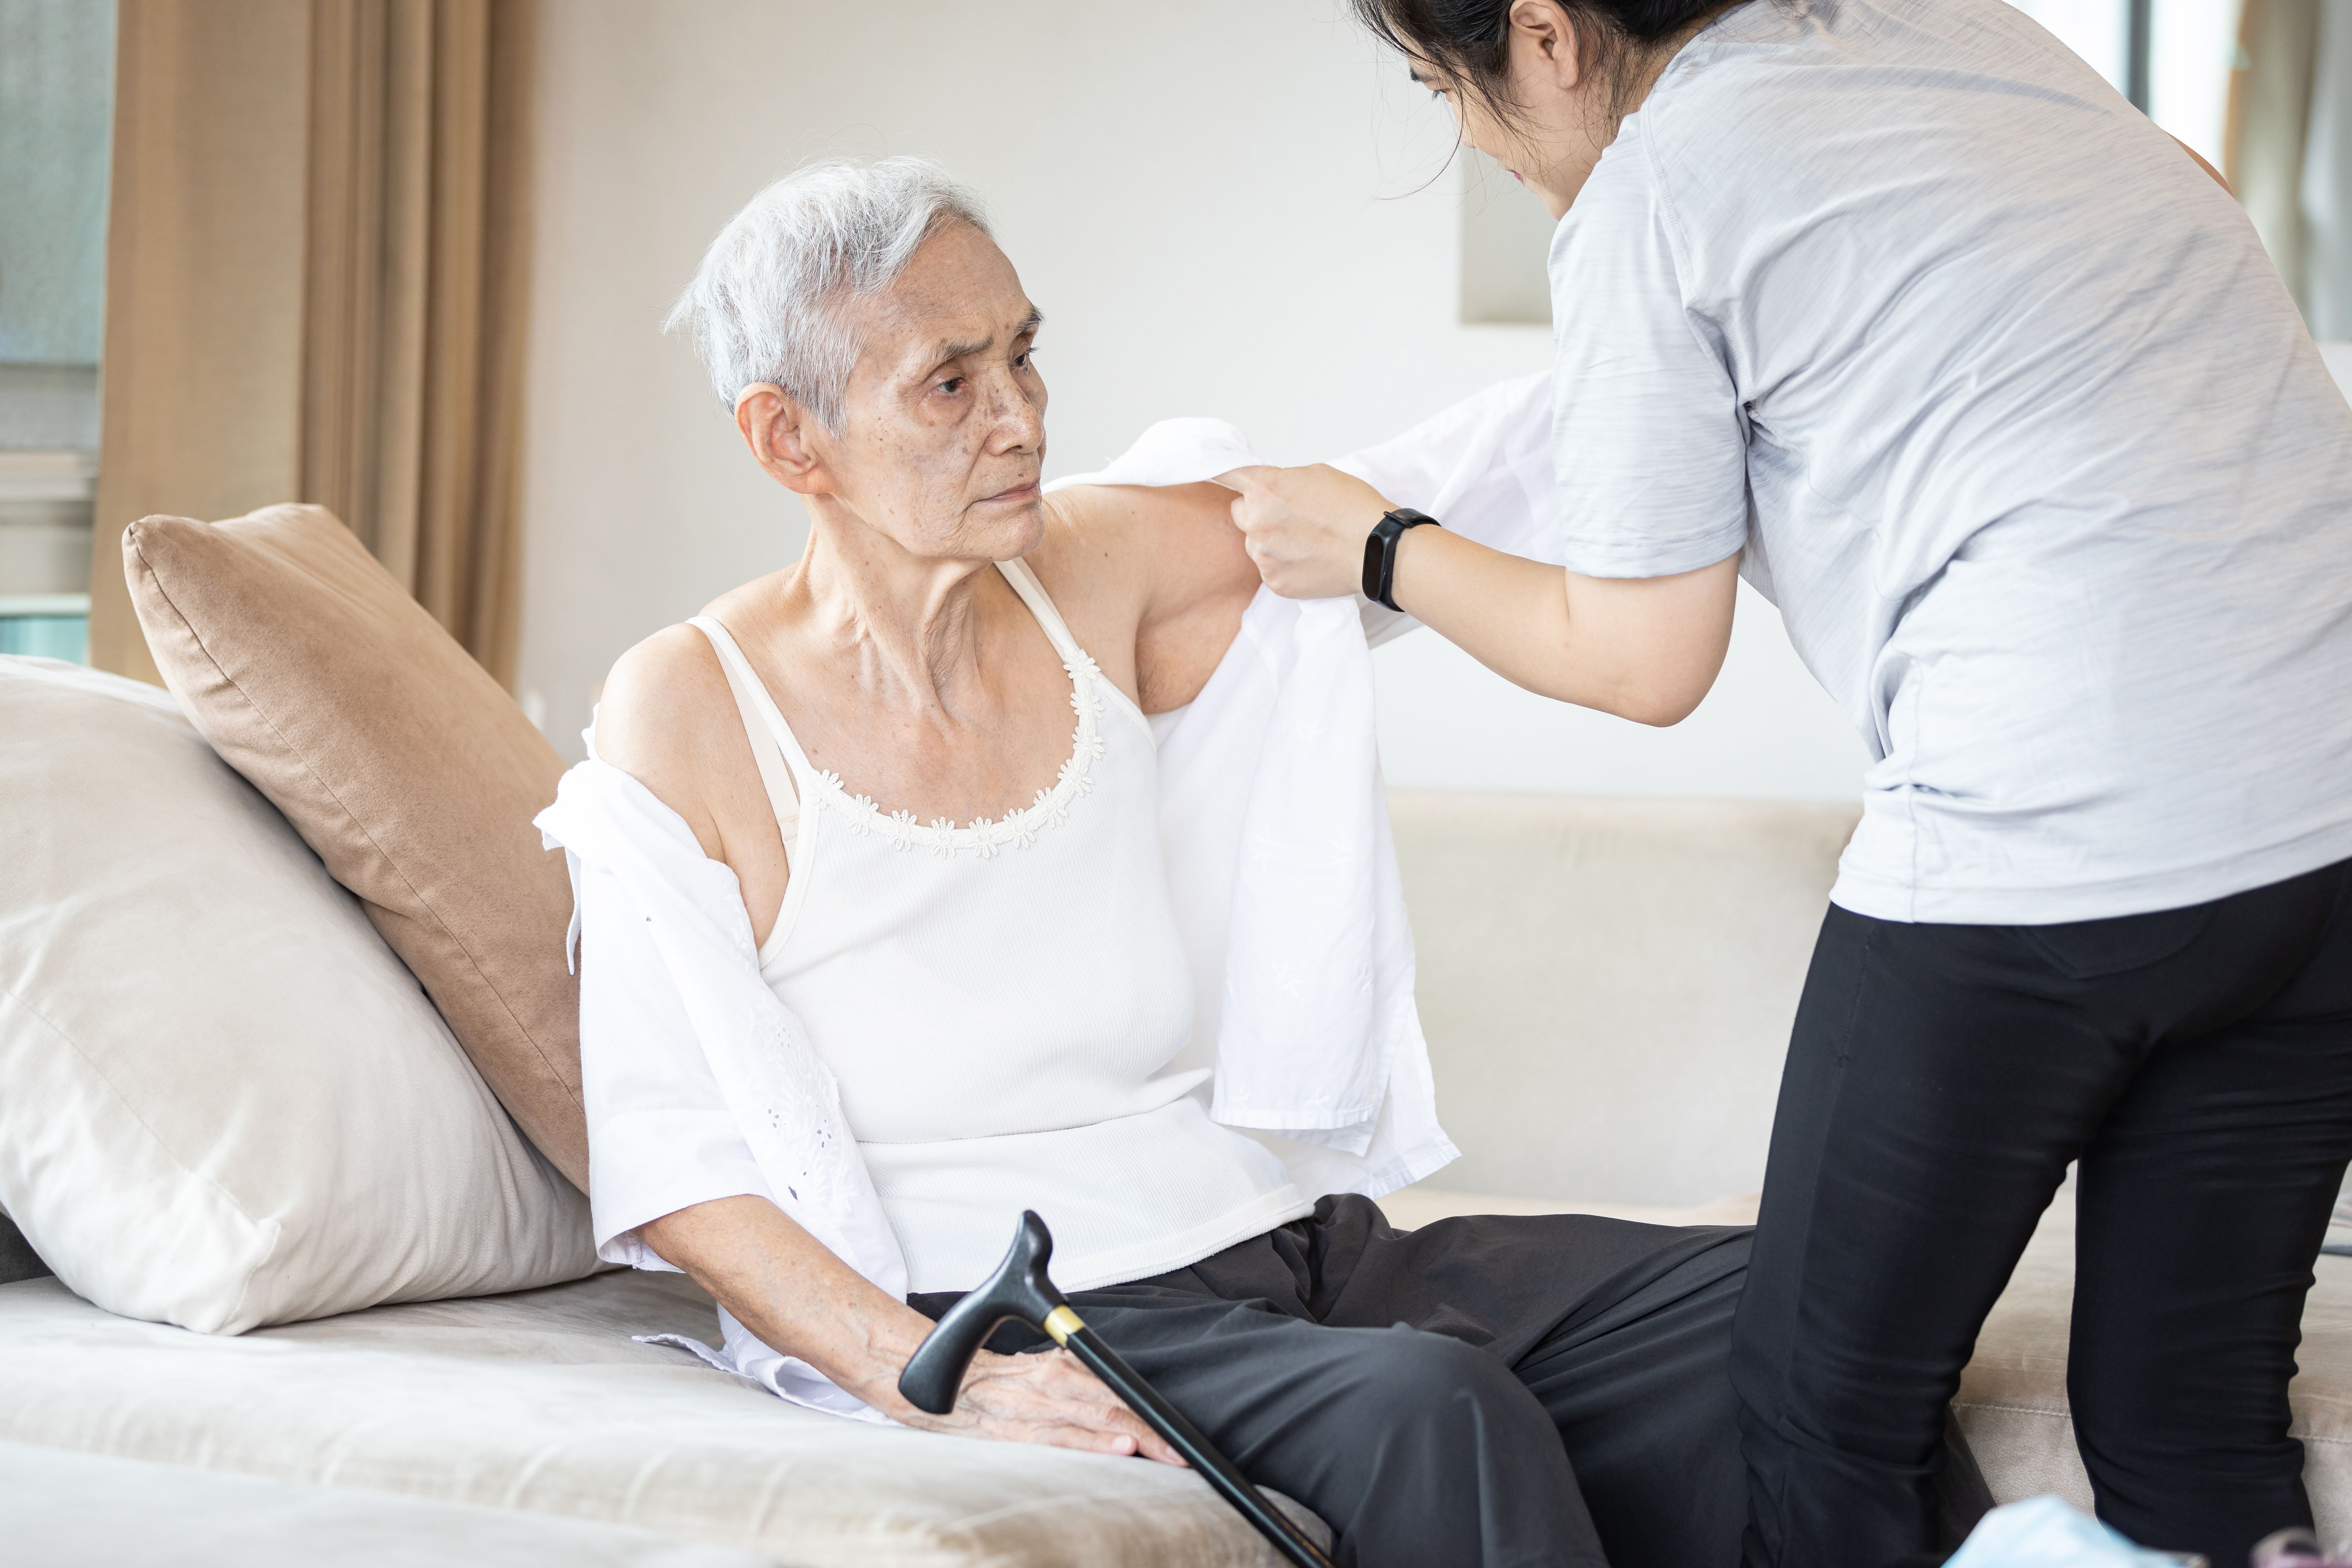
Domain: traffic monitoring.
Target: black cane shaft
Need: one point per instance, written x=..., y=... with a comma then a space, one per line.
x=1186, y=1439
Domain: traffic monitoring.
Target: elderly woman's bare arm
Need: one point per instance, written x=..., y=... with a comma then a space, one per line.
x=798, y=1298
x=1201, y=580
x=667, y=720
x=1153, y=580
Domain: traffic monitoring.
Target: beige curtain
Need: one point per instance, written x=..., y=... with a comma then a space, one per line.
x=2289, y=148
x=315, y=288
x=2269, y=121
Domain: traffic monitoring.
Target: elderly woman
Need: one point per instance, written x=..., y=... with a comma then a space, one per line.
x=1002, y=1007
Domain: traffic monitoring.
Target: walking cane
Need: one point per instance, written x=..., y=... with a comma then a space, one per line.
x=1020, y=1290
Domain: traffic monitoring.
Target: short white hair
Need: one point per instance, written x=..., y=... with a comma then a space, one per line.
x=771, y=302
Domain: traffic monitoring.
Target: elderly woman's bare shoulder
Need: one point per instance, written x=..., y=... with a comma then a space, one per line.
x=1140, y=513
x=1167, y=540
x=667, y=720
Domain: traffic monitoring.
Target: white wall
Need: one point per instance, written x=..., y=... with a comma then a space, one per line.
x=1236, y=207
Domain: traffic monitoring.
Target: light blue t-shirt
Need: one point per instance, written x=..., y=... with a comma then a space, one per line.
x=2015, y=422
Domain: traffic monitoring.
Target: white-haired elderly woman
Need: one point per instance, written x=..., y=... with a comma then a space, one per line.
x=1000, y=1013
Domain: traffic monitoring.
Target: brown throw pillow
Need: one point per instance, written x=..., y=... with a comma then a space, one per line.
x=399, y=760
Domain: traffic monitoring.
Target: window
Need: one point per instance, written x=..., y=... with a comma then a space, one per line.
x=56, y=76
x=2172, y=58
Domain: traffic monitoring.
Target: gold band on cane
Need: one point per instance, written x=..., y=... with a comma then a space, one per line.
x=1061, y=1323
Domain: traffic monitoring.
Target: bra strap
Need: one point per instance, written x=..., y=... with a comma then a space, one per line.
x=774, y=772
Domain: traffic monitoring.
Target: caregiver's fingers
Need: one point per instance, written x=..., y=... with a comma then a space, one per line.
x=1294, y=575
x=1305, y=528
x=1317, y=498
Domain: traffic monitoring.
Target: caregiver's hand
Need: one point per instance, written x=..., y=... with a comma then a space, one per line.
x=1305, y=527
x=1644, y=649
x=1048, y=1397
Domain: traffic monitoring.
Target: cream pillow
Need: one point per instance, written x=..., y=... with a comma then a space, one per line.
x=224, y=1102
x=399, y=760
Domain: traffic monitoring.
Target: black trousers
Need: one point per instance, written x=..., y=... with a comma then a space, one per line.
x=1501, y=1390
x=2196, y=1061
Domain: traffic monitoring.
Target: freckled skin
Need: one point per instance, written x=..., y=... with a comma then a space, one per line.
x=917, y=463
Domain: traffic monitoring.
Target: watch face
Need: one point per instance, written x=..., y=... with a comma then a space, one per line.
x=1379, y=554
x=1379, y=560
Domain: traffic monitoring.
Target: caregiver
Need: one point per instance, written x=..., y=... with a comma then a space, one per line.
x=1898, y=310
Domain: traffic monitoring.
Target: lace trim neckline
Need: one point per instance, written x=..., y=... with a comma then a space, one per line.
x=1017, y=829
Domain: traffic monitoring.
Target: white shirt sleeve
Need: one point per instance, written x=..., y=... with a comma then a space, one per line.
x=1647, y=442
x=661, y=1136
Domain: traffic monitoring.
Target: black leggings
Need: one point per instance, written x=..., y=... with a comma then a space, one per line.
x=2196, y=1061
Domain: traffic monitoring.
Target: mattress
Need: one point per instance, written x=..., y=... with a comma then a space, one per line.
x=541, y=1401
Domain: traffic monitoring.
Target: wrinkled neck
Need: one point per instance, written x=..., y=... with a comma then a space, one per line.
x=911, y=624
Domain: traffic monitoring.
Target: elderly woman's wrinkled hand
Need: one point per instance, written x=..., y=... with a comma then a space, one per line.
x=1047, y=1397
x=1305, y=527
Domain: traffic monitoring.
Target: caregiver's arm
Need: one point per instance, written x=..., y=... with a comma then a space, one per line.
x=796, y=1295
x=2218, y=178
x=1645, y=648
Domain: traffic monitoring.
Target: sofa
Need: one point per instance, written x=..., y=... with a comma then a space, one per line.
x=1606, y=985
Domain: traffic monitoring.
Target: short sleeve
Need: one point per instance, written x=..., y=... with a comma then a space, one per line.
x=661, y=1136
x=1648, y=450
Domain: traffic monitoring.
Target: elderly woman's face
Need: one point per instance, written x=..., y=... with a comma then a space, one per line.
x=945, y=431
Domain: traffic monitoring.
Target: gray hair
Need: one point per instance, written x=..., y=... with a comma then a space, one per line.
x=771, y=301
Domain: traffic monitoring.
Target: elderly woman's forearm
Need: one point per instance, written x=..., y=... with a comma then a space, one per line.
x=792, y=1291
x=1646, y=649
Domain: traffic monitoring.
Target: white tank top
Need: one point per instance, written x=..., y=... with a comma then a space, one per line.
x=1001, y=1003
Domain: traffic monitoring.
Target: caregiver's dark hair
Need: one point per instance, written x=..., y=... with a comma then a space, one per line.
x=1469, y=39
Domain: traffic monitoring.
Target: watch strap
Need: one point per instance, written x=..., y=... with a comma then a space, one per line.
x=1379, y=552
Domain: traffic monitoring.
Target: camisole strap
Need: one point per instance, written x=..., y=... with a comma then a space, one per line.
x=1058, y=632
x=1033, y=593
x=762, y=725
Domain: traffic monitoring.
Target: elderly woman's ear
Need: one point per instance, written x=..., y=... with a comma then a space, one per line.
x=772, y=423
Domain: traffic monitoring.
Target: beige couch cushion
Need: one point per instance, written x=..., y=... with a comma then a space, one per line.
x=223, y=1100
x=2013, y=1399
x=1607, y=985
x=85, y=1511
x=540, y=1401
x=399, y=760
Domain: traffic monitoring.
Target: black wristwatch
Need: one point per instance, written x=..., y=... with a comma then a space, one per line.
x=1379, y=552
